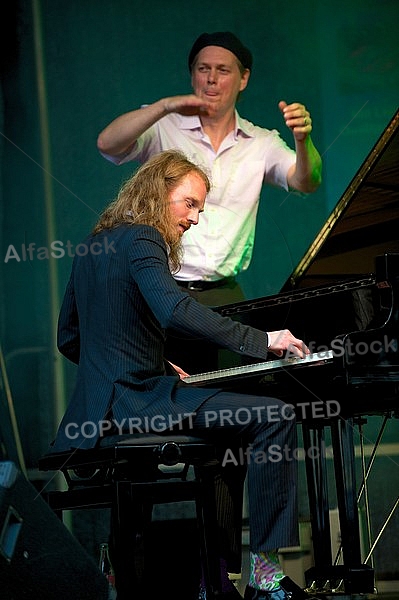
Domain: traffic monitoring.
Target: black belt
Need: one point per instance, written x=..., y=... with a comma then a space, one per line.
x=201, y=286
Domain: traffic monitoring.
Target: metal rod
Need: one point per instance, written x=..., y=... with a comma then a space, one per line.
x=383, y=528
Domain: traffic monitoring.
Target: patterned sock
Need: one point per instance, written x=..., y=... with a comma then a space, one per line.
x=265, y=571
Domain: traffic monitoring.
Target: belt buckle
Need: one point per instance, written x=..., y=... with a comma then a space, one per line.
x=192, y=286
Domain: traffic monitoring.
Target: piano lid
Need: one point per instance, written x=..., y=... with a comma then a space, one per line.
x=364, y=223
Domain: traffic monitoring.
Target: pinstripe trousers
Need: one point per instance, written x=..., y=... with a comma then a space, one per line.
x=256, y=436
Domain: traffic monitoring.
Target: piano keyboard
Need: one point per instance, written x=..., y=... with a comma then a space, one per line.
x=270, y=366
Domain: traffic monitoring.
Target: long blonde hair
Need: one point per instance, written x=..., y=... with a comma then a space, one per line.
x=143, y=199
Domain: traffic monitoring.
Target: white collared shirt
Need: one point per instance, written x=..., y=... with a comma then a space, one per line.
x=221, y=244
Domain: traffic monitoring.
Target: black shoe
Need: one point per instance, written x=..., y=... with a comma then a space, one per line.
x=288, y=590
x=278, y=594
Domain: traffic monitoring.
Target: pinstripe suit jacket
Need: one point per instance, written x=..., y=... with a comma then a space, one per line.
x=120, y=300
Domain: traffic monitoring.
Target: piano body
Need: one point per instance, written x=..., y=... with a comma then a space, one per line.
x=343, y=295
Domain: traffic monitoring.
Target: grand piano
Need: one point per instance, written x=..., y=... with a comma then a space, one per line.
x=342, y=299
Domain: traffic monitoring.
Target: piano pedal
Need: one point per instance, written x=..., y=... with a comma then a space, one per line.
x=316, y=588
x=340, y=588
x=312, y=588
x=330, y=589
x=338, y=580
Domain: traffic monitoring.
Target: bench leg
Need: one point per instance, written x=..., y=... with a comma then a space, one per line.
x=209, y=543
x=131, y=517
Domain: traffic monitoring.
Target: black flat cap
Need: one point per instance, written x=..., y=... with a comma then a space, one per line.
x=224, y=39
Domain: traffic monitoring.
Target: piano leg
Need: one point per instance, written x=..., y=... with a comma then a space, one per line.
x=351, y=577
x=358, y=578
x=345, y=477
x=316, y=474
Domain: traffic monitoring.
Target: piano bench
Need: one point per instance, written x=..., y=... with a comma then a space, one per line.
x=131, y=473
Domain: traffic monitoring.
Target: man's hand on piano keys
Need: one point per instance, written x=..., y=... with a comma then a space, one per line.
x=283, y=341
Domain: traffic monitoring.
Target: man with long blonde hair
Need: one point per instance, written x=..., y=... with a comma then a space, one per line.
x=120, y=300
x=141, y=200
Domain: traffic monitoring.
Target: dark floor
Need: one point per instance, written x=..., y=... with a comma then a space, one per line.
x=175, y=563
